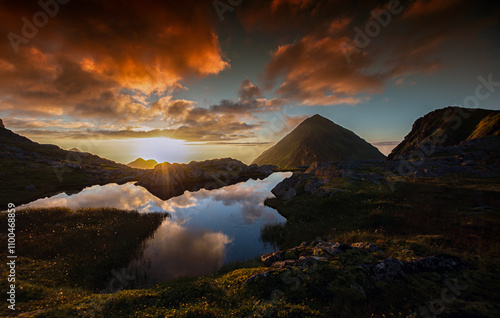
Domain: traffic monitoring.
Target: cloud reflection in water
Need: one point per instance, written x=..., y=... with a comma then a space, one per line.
x=207, y=228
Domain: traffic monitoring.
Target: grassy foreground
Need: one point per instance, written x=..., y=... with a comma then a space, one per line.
x=65, y=255
x=420, y=218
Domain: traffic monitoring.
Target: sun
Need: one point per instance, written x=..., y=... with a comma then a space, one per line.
x=161, y=149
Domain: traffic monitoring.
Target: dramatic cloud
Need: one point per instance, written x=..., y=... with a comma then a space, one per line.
x=121, y=69
x=102, y=59
x=249, y=102
x=348, y=51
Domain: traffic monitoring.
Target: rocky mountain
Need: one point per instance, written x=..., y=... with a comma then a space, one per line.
x=142, y=164
x=317, y=139
x=447, y=127
x=30, y=170
x=169, y=180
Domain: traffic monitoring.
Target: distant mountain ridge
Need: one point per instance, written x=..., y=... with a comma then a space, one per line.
x=140, y=163
x=30, y=170
x=448, y=127
x=318, y=139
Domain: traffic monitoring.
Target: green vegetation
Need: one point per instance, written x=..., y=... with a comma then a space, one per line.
x=317, y=139
x=65, y=255
x=420, y=218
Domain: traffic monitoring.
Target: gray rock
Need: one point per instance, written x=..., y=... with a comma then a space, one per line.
x=469, y=163
x=269, y=259
x=365, y=246
x=392, y=268
x=290, y=194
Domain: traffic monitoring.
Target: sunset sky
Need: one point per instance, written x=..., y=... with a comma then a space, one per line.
x=192, y=80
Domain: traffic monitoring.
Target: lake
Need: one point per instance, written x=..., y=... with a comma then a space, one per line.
x=207, y=228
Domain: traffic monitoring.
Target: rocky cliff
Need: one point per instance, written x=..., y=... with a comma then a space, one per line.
x=447, y=127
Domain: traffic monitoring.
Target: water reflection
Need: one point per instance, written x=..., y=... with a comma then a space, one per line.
x=177, y=251
x=207, y=228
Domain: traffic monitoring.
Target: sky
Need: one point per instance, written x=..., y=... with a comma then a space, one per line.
x=194, y=80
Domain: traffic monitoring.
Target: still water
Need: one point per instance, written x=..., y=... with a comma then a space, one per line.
x=207, y=228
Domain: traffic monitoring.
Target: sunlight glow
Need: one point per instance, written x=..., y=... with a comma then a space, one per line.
x=161, y=149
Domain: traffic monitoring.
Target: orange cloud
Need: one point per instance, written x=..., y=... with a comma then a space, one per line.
x=322, y=63
x=104, y=58
x=316, y=73
x=423, y=7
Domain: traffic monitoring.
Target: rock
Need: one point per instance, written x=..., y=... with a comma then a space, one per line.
x=269, y=259
x=307, y=260
x=282, y=188
x=365, y=246
x=258, y=276
x=1, y=124
x=290, y=194
x=266, y=169
x=393, y=268
x=313, y=166
x=285, y=263
x=469, y=163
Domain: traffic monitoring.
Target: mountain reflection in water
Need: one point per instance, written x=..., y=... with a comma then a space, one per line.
x=206, y=229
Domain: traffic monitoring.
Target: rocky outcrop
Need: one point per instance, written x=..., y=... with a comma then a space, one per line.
x=447, y=127
x=478, y=157
x=318, y=177
x=472, y=158
x=392, y=268
x=167, y=180
x=1, y=124
x=320, y=250
x=389, y=269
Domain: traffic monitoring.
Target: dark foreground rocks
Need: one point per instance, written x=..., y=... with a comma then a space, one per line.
x=323, y=256
x=474, y=158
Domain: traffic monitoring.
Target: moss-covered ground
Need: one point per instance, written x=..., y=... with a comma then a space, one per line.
x=419, y=218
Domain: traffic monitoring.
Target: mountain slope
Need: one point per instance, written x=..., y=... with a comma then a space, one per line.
x=317, y=139
x=30, y=170
x=140, y=163
x=448, y=127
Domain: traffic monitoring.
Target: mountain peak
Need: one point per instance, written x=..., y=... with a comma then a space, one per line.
x=317, y=139
x=140, y=163
x=315, y=119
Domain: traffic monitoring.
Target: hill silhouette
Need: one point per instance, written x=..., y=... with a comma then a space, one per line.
x=31, y=170
x=317, y=139
x=140, y=163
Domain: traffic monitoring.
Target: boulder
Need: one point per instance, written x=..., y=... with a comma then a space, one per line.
x=392, y=268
